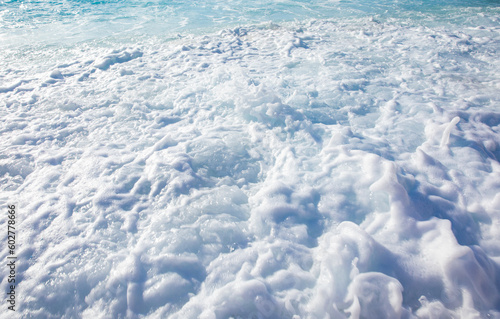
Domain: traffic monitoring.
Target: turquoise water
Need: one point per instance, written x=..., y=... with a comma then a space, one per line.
x=53, y=22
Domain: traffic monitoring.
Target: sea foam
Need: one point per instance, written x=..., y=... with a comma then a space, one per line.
x=341, y=168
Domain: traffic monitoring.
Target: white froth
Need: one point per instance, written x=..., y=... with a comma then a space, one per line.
x=341, y=169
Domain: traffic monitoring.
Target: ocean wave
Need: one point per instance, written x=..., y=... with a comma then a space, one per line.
x=308, y=169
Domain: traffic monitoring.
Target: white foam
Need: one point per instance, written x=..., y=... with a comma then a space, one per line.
x=307, y=169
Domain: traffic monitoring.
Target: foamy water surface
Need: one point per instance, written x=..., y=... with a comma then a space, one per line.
x=236, y=159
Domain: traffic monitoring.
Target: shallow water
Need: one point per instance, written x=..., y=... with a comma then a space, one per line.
x=286, y=159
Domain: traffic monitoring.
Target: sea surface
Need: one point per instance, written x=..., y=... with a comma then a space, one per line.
x=250, y=159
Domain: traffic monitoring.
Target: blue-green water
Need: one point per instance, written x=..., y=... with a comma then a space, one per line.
x=52, y=22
